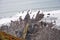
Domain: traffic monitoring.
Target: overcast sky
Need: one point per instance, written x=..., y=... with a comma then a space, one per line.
x=7, y=6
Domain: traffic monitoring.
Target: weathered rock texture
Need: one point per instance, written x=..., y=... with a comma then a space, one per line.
x=36, y=31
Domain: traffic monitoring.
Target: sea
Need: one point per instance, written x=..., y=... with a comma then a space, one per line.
x=9, y=8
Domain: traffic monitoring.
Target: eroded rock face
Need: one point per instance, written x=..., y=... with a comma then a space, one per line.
x=16, y=28
x=45, y=33
x=39, y=16
x=36, y=31
x=4, y=27
x=27, y=18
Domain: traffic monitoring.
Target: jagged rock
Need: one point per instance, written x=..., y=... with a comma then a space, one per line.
x=20, y=18
x=45, y=33
x=48, y=14
x=27, y=18
x=39, y=16
x=36, y=30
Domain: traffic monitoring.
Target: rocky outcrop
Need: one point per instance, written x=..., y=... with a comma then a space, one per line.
x=27, y=18
x=36, y=31
x=42, y=32
x=39, y=16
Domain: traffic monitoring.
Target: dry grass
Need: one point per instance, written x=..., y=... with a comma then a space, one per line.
x=5, y=36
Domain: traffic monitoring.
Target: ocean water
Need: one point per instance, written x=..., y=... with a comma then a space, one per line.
x=9, y=8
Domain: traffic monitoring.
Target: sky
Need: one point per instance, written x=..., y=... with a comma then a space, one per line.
x=10, y=6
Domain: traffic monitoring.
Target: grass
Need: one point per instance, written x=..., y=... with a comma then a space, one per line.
x=5, y=36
